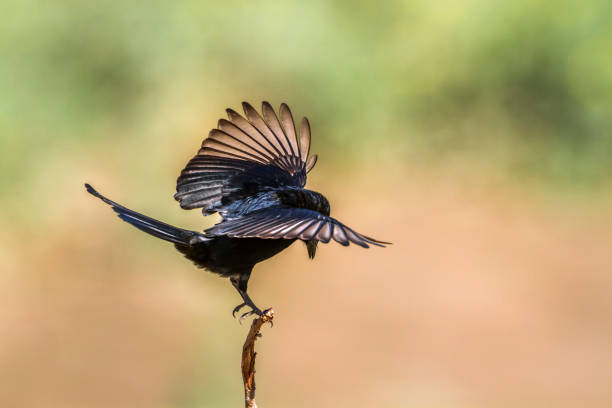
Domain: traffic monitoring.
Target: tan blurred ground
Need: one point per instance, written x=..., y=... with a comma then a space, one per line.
x=490, y=296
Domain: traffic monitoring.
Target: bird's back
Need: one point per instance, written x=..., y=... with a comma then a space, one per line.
x=280, y=198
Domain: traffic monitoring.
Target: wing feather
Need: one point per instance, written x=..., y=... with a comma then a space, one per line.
x=311, y=163
x=291, y=223
x=263, y=229
x=245, y=155
x=311, y=231
x=231, y=140
x=259, y=125
x=339, y=235
x=295, y=229
x=304, y=139
x=216, y=146
x=325, y=233
x=275, y=126
x=289, y=130
x=259, y=141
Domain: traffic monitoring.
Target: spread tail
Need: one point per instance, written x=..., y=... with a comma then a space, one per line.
x=156, y=228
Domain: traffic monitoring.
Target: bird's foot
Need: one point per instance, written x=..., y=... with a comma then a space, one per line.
x=247, y=314
x=254, y=311
x=237, y=308
x=267, y=315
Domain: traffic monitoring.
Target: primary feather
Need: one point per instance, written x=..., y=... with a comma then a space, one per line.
x=243, y=156
x=290, y=223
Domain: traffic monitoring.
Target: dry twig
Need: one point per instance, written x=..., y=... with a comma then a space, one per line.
x=248, y=357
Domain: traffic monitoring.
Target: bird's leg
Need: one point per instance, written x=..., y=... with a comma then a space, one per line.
x=240, y=283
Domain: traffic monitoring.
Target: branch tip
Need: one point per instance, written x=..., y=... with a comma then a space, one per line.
x=248, y=356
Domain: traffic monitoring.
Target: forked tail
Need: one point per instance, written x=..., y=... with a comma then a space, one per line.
x=149, y=225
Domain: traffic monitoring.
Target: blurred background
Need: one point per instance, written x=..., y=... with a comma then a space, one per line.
x=474, y=135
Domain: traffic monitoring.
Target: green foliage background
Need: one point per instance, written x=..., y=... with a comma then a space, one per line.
x=524, y=87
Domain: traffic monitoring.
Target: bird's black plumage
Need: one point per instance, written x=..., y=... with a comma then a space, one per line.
x=252, y=171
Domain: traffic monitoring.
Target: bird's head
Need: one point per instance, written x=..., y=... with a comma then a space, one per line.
x=311, y=245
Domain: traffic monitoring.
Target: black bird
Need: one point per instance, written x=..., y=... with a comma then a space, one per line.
x=251, y=171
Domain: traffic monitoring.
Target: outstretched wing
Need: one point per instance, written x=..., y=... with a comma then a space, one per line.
x=291, y=223
x=243, y=156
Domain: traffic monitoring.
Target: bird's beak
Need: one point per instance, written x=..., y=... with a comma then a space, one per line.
x=311, y=245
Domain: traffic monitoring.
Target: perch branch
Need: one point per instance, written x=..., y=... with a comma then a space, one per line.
x=248, y=357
